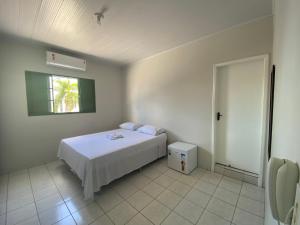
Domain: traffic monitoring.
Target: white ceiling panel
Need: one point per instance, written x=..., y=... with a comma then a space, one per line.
x=28, y=11
x=9, y=15
x=45, y=18
x=131, y=29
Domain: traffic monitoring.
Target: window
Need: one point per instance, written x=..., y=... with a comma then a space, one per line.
x=64, y=96
x=52, y=94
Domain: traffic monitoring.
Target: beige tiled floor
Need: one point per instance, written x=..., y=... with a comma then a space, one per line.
x=51, y=194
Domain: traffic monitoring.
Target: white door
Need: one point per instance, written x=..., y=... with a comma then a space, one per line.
x=239, y=100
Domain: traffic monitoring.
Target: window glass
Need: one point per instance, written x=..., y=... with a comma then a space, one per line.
x=64, y=95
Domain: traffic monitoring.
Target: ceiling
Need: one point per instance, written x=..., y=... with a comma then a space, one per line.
x=131, y=30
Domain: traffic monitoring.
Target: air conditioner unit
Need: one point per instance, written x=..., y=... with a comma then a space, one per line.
x=56, y=59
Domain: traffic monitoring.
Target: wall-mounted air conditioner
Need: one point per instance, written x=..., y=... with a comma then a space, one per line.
x=56, y=59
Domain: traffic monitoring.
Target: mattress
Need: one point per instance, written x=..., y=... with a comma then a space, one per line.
x=98, y=160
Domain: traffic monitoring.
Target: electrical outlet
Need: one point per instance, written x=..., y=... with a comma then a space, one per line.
x=296, y=214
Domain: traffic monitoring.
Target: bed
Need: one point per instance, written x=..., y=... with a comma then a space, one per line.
x=98, y=160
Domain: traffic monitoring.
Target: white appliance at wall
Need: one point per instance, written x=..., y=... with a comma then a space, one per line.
x=65, y=61
x=283, y=179
x=182, y=157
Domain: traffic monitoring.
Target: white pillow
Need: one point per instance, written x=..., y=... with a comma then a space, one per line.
x=151, y=130
x=130, y=126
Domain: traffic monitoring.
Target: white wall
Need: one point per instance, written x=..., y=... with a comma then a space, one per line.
x=174, y=89
x=28, y=141
x=286, y=125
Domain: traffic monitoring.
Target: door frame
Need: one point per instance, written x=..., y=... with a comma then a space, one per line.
x=264, y=104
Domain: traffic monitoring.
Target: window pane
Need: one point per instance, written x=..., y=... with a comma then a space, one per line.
x=50, y=82
x=51, y=105
x=51, y=94
x=65, y=93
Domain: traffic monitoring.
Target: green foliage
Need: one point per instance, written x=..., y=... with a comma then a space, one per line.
x=66, y=93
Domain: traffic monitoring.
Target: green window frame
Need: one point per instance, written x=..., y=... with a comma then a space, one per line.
x=40, y=99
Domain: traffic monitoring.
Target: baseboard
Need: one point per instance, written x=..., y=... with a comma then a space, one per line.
x=235, y=173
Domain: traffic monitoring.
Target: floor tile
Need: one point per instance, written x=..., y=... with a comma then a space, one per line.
x=169, y=199
x=244, y=218
x=122, y=213
x=173, y=173
x=108, y=199
x=205, y=187
x=198, y=197
x=179, y=188
x=153, y=189
x=156, y=212
x=189, y=210
x=18, y=174
x=2, y=219
x=55, y=164
x=151, y=172
x=66, y=179
x=250, y=179
x=21, y=214
x=3, y=179
x=2, y=207
x=49, y=202
x=221, y=208
x=32, y=221
x=139, y=180
x=3, y=194
x=18, y=193
x=255, y=207
x=88, y=214
x=66, y=221
x=187, y=195
x=103, y=220
x=125, y=189
x=71, y=192
x=45, y=192
x=139, y=219
x=187, y=179
x=174, y=219
x=227, y=196
x=164, y=180
x=211, y=219
x=231, y=185
x=54, y=215
x=198, y=173
x=162, y=168
x=212, y=178
x=253, y=192
x=77, y=203
x=20, y=187
x=139, y=200
x=42, y=183
x=38, y=170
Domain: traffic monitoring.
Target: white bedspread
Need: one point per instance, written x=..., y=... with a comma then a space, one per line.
x=97, y=160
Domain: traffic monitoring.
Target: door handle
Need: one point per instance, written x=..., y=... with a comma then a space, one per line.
x=219, y=115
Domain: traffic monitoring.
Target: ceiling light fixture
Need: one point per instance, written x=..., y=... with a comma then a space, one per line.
x=100, y=15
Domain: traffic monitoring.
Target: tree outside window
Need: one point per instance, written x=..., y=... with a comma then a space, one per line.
x=64, y=94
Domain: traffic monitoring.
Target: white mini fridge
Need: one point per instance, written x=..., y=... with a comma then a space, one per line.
x=182, y=157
